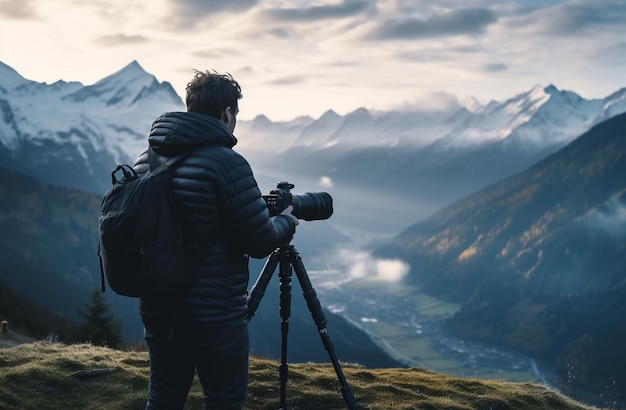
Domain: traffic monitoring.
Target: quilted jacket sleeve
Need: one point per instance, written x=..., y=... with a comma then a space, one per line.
x=260, y=234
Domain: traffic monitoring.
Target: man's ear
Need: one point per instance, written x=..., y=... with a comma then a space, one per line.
x=227, y=115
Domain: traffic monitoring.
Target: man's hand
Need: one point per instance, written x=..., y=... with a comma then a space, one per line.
x=288, y=211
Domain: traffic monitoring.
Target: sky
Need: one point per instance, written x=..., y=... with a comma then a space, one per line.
x=300, y=57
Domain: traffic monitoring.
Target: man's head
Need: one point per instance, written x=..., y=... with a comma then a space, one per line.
x=214, y=94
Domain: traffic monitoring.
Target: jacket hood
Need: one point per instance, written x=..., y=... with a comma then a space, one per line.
x=176, y=132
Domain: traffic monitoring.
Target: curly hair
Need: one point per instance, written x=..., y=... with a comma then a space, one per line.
x=210, y=93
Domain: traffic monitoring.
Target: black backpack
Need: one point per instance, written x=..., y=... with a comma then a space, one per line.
x=141, y=248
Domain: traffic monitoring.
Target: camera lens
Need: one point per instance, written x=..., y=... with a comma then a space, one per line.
x=312, y=206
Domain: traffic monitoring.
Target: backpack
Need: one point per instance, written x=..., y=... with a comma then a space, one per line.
x=141, y=248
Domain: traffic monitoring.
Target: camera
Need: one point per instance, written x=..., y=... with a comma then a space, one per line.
x=311, y=206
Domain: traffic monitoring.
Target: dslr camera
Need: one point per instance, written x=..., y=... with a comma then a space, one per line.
x=311, y=206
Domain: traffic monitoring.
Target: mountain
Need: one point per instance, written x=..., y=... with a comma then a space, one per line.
x=412, y=164
x=409, y=162
x=538, y=260
x=48, y=248
x=74, y=135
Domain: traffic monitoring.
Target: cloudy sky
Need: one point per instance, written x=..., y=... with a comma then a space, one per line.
x=303, y=57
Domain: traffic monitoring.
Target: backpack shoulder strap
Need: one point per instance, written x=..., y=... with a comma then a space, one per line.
x=152, y=159
x=155, y=165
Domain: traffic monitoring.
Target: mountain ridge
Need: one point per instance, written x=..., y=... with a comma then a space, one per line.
x=418, y=159
x=69, y=134
x=538, y=260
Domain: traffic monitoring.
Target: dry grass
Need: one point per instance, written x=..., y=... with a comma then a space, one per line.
x=41, y=375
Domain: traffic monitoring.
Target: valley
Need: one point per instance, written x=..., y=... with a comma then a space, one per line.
x=409, y=326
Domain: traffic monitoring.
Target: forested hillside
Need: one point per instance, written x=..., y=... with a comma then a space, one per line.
x=538, y=261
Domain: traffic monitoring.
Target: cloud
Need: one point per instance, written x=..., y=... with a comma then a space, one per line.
x=289, y=80
x=575, y=18
x=610, y=218
x=201, y=8
x=346, y=8
x=434, y=101
x=609, y=54
x=391, y=270
x=188, y=13
x=280, y=32
x=450, y=23
x=495, y=67
x=359, y=264
x=18, y=9
x=441, y=54
x=120, y=39
x=326, y=182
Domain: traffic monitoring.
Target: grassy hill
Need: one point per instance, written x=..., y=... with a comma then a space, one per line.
x=48, y=375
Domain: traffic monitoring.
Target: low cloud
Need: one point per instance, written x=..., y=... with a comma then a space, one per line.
x=435, y=101
x=361, y=264
x=611, y=218
x=326, y=182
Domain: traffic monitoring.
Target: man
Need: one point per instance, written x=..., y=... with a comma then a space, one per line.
x=224, y=219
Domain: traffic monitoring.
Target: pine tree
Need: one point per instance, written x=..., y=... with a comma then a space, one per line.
x=98, y=326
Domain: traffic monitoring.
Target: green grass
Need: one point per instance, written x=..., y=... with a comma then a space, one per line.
x=40, y=375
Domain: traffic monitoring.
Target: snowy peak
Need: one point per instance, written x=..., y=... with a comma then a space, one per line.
x=128, y=73
x=93, y=128
x=529, y=102
x=9, y=78
x=563, y=96
x=121, y=89
x=614, y=104
x=129, y=76
x=112, y=118
x=533, y=120
x=555, y=118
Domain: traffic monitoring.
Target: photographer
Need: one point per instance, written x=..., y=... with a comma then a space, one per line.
x=223, y=219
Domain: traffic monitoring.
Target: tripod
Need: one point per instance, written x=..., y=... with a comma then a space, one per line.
x=288, y=257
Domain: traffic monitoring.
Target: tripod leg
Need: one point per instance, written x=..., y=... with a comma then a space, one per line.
x=258, y=290
x=315, y=308
x=285, y=311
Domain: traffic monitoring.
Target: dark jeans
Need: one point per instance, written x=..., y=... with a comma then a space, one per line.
x=218, y=352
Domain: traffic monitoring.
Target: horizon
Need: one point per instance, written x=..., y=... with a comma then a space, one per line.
x=302, y=59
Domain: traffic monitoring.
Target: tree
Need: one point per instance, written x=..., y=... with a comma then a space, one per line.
x=98, y=326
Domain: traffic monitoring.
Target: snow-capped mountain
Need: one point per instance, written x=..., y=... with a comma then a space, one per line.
x=73, y=135
x=420, y=161
x=539, y=118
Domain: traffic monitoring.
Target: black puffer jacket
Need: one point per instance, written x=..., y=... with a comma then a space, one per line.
x=223, y=216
